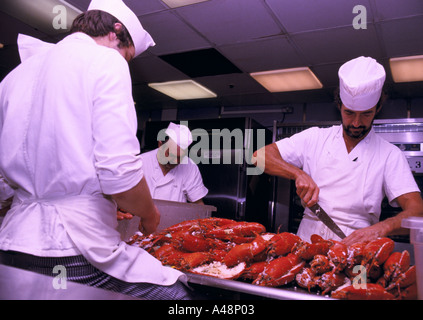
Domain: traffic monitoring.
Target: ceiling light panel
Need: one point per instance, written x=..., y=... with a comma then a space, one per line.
x=180, y=3
x=288, y=79
x=183, y=90
x=407, y=69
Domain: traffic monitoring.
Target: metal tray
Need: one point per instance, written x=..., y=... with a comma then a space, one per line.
x=171, y=213
x=288, y=293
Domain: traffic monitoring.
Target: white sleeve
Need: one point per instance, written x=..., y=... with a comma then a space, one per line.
x=294, y=148
x=193, y=185
x=398, y=178
x=116, y=147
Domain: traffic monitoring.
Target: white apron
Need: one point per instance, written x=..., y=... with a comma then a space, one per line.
x=90, y=222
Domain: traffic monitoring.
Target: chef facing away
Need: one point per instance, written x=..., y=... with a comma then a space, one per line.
x=348, y=169
x=69, y=156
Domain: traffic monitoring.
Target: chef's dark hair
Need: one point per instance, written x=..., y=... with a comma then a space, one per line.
x=98, y=23
x=379, y=104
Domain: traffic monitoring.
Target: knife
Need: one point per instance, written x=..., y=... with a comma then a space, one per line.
x=324, y=217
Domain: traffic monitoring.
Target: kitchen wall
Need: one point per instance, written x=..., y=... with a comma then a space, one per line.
x=308, y=112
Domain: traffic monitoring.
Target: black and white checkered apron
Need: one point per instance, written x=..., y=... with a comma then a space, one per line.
x=79, y=270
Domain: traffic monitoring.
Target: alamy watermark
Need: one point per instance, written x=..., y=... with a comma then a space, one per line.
x=60, y=281
x=360, y=20
x=60, y=20
x=222, y=146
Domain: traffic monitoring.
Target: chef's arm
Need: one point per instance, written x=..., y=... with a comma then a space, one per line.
x=411, y=205
x=138, y=202
x=269, y=160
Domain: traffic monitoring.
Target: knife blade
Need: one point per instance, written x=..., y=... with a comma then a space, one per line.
x=324, y=217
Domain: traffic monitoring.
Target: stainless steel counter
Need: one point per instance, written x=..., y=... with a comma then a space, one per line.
x=19, y=284
x=288, y=293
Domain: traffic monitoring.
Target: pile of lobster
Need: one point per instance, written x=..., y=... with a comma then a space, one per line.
x=229, y=249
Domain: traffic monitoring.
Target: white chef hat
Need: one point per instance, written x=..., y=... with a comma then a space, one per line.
x=360, y=83
x=180, y=134
x=117, y=8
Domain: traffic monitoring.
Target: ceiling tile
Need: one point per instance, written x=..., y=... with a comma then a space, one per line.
x=145, y=6
x=393, y=9
x=403, y=37
x=338, y=45
x=262, y=55
x=306, y=15
x=231, y=84
x=171, y=34
x=228, y=21
x=153, y=69
x=327, y=74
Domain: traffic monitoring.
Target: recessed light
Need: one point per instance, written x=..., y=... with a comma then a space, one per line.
x=293, y=79
x=183, y=90
x=181, y=3
x=407, y=69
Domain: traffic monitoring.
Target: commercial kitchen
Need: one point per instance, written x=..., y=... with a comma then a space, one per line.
x=228, y=82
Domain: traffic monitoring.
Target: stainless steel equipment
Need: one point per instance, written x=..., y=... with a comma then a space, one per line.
x=236, y=194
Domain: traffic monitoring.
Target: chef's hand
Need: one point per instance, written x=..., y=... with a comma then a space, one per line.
x=366, y=234
x=150, y=221
x=307, y=189
x=122, y=215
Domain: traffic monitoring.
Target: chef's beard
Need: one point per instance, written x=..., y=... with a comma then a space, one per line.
x=359, y=133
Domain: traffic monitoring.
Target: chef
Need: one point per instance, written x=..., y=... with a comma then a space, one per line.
x=348, y=169
x=68, y=155
x=170, y=174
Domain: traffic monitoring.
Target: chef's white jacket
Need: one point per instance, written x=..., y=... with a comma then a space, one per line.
x=352, y=185
x=182, y=184
x=67, y=137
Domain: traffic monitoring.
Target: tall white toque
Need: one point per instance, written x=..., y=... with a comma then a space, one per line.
x=360, y=83
x=117, y=8
x=180, y=134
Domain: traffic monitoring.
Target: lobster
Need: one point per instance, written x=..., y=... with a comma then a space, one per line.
x=169, y=255
x=320, y=264
x=327, y=281
x=372, y=291
x=307, y=251
x=280, y=271
x=245, y=252
x=205, y=224
x=282, y=244
x=338, y=255
x=330, y=281
x=376, y=252
x=238, y=232
x=355, y=256
x=398, y=275
x=306, y=278
x=253, y=271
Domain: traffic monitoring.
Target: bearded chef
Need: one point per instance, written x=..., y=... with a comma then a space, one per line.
x=69, y=156
x=170, y=174
x=347, y=168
